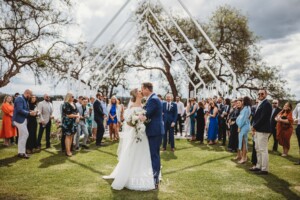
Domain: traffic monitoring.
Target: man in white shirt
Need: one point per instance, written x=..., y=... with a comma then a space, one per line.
x=180, y=111
x=296, y=117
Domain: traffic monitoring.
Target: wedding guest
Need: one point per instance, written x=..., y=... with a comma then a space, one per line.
x=200, y=122
x=114, y=117
x=99, y=115
x=8, y=130
x=261, y=131
x=285, y=127
x=243, y=122
x=234, y=136
x=70, y=118
x=21, y=113
x=122, y=110
x=186, y=120
x=192, y=108
x=104, y=102
x=253, y=156
x=296, y=117
x=32, y=127
x=89, y=120
x=225, y=121
x=275, y=111
x=221, y=120
x=12, y=139
x=94, y=124
x=45, y=109
x=212, y=131
x=82, y=125
x=170, y=118
x=180, y=109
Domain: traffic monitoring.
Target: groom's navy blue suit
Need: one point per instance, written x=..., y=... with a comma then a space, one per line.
x=154, y=131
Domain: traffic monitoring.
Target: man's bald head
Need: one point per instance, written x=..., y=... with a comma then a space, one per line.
x=28, y=93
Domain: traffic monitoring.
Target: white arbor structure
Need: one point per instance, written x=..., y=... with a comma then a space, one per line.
x=103, y=69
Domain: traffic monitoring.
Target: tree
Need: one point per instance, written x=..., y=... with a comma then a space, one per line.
x=117, y=76
x=229, y=31
x=28, y=31
x=145, y=50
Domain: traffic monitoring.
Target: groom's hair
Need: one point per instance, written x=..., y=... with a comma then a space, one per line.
x=148, y=85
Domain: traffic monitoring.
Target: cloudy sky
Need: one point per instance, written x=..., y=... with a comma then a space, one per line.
x=275, y=21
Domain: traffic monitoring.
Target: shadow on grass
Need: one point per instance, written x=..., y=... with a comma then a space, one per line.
x=168, y=155
x=206, y=147
x=106, y=152
x=275, y=183
x=131, y=194
x=7, y=162
x=197, y=165
x=56, y=159
x=289, y=157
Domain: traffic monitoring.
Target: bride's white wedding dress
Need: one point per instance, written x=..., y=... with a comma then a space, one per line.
x=134, y=169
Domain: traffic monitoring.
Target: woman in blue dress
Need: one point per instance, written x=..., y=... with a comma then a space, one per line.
x=114, y=117
x=213, y=129
x=243, y=122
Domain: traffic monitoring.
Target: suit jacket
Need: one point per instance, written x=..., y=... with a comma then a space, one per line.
x=21, y=109
x=45, y=109
x=170, y=115
x=273, y=121
x=98, y=110
x=153, y=109
x=261, y=118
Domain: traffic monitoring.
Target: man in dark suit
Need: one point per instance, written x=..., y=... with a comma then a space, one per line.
x=275, y=111
x=261, y=131
x=99, y=117
x=170, y=118
x=154, y=129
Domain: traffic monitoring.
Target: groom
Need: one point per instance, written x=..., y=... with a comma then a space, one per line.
x=154, y=129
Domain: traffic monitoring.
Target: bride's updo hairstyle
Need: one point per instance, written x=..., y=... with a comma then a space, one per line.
x=133, y=94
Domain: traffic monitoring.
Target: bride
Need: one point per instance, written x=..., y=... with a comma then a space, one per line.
x=134, y=169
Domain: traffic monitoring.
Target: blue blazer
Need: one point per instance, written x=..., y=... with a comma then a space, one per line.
x=170, y=115
x=21, y=110
x=153, y=109
x=243, y=120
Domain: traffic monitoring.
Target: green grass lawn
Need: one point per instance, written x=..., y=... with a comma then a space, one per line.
x=194, y=171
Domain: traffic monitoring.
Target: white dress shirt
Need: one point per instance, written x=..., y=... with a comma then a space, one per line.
x=180, y=108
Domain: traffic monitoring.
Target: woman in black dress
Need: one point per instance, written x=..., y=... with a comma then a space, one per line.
x=70, y=118
x=200, y=122
x=32, y=127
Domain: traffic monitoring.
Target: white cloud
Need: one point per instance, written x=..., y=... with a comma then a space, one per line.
x=284, y=52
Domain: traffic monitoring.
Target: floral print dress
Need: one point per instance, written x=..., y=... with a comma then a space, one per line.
x=69, y=125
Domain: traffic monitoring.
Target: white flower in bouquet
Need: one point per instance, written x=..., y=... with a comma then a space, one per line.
x=135, y=120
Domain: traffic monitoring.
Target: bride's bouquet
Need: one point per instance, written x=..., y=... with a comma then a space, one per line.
x=137, y=119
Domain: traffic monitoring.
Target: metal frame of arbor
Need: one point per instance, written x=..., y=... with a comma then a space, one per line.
x=149, y=11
